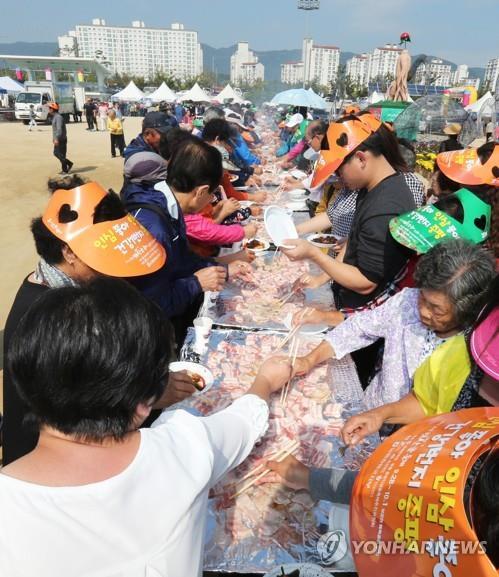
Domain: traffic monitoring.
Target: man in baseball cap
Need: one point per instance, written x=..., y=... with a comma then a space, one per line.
x=153, y=126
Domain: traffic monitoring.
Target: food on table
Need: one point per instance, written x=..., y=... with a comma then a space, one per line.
x=255, y=244
x=325, y=239
x=197, y=381
x=268, y=512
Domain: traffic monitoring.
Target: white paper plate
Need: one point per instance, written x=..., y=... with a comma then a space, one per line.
x=298, y=174
x=194, y=368
x=246, y=203
x=315, y=329
x=243, y=188
x=296, y=205
x=306, y=570
x=266, y=245
x=279, y=225
x=298, y=194
x=311, y=238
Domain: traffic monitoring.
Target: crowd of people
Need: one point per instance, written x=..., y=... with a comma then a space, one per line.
x=92, y=330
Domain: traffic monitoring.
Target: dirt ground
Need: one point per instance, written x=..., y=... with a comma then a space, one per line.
x=26, y=162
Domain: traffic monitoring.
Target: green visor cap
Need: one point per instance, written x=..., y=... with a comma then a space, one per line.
x=459, y=215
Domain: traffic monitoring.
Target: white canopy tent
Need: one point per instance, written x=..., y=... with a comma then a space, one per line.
x=196, y=94
x=483, y=104
x=228, y=93
x=163, y=94
x=375, y=97
x=129, y=94
x=10, y=86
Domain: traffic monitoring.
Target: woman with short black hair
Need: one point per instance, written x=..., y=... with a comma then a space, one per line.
x=134, y=499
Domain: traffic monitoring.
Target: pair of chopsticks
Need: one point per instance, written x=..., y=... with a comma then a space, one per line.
x=283, y=300
x=278, y=456
x=293, y=351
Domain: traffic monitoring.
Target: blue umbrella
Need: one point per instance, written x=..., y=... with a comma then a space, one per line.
x=299, y=97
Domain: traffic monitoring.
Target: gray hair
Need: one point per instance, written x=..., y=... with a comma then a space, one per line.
x=213, y=112
x=462, y=271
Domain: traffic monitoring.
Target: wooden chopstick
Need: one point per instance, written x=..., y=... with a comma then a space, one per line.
x=290, y=335
x=272, y=457
x=264, y=472
x=288, y=384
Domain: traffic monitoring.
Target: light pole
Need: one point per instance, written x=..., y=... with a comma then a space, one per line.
x=308, y=6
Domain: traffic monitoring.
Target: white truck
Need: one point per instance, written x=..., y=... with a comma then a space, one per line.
x=39, y=94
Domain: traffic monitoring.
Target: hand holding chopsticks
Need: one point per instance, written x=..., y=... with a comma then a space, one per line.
x=278, y=457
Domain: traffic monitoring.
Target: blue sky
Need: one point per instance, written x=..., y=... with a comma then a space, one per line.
x=464, y=31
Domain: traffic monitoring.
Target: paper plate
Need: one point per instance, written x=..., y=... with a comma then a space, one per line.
x=298, y=194
x=306, y=570
x=279, y=225
x=298, y=174
x=312, y=329
x=194, y=368
x=313, y=238
x=296, y=205
x=265, y=243
x=242, y=188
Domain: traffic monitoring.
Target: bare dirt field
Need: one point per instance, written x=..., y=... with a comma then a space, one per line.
x=26, y=162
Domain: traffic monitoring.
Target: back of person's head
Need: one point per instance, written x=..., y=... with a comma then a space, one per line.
x=462, y=271
x=408, y=153
x=383, y=142
x=316, y=127
x=485, y=506
x=49, y=247
x=90, y=384
x=193, y=164
x=172, y=139
x=213, y=112
x=65, y=182
x=216, y=128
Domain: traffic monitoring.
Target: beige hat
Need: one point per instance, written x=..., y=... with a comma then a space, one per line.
x=453, y=129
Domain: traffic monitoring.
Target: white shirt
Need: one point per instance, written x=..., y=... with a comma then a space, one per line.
x=148, y=521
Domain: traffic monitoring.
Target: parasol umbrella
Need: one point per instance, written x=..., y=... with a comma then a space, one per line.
x=299, y=97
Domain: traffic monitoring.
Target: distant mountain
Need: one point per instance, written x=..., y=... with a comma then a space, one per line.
x=30, y=48
x=213, y=58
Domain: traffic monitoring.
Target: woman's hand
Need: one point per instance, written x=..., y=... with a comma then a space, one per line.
x=293, y=472
x=256, y=210
x=301, y=249
x=240, y=269
x=250, y=230
x=258, y=196
x=276, y=371
x=229, y=206
x=360, y=426
x=308, y=316
x=179, y=387
x=308, y=281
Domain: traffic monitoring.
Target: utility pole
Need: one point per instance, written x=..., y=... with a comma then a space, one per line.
x=307, y=6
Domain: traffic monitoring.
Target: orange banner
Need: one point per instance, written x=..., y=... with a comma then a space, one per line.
x=408, y=516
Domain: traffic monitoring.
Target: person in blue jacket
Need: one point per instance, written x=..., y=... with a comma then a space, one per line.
x=153, y=126
x=158, y=198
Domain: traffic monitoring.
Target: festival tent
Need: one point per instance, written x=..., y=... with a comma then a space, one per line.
x=163, y=94
x=299, y=97
x=9, y=85
x=228, y=93
x=375, y=97
x=129, y=94
x=483, y=104
x=196, y=94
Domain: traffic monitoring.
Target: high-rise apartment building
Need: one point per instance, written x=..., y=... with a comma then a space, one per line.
x=292, y=73
x=357, y=69
x=491, y=73
x=137, y=49
x=320, y=63
x=244, y=66
x=434, y=72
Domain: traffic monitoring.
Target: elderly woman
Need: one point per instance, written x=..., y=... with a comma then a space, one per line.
x=134, y=499
x=452, y=279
